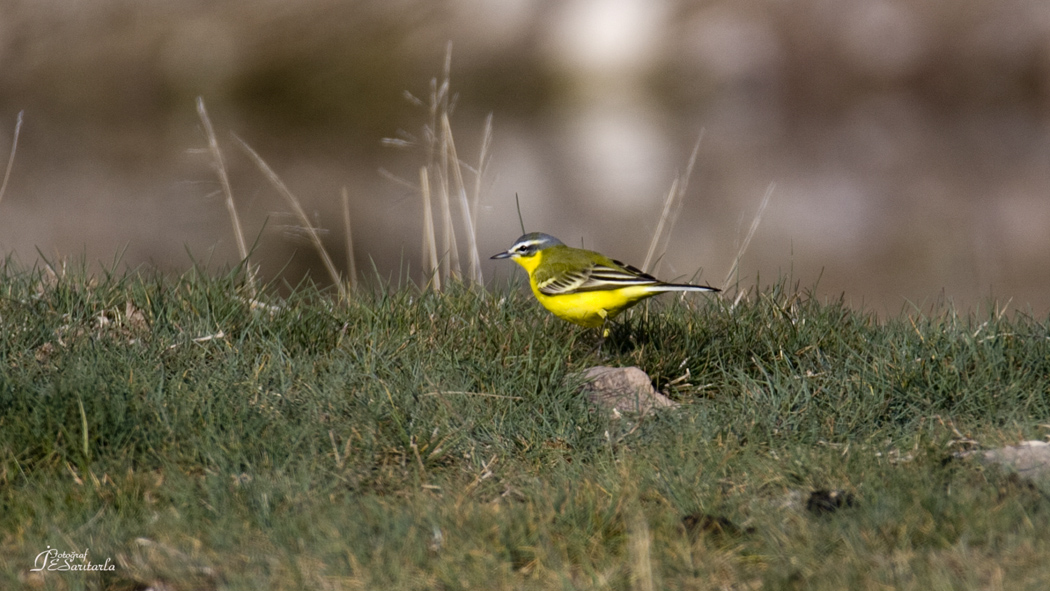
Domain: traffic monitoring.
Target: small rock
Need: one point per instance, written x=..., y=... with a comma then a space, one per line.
x=1029, y=459
x=623, y=389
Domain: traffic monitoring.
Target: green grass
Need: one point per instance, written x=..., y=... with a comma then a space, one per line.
x=417, y=440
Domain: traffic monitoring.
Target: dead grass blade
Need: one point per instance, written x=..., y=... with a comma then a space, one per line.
x=297, y=207
x=429, y=233
x=351, y=265
x=672, y=207
x=461, y=191
x=11, y=157
x=483, y=157
x=750, y=234
x=219, y=164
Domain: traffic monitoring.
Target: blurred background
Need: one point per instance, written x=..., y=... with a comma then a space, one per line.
x=909, y=141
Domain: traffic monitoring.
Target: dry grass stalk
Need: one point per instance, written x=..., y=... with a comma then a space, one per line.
x=658, y=233
x=750, y=234
x=11, y=157
x=444, y=169
x=297, y=207
x=639, y=541
x=351, y=265
x=483, y=156
x=437, y=164
x=450, y=256
x=430, y=260
x=672, y=207
x=219, y=164
x=461, y=191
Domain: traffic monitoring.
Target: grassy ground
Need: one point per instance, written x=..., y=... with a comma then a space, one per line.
x=413, y=440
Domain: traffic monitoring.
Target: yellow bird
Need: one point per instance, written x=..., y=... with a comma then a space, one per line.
x=583, y=286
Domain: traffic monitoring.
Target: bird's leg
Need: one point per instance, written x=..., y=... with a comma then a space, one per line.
x=604, y=329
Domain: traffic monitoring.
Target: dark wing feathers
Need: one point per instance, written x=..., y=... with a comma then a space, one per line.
x=595, y=277
x=563, y=283
x=621, y=274
x=579, y=270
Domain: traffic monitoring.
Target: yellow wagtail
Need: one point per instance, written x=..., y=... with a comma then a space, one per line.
x=583, y=286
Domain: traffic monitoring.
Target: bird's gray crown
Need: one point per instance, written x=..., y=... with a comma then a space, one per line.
x=533, y=242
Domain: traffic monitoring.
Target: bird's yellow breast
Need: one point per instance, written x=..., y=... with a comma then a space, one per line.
x=588, y=308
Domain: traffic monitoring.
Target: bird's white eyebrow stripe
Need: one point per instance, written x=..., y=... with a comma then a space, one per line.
x=526, y=245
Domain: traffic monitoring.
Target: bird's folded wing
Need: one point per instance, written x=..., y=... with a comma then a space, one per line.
x=563, y=283
x=596, y=277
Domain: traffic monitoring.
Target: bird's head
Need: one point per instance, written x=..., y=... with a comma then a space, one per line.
x=527, y=247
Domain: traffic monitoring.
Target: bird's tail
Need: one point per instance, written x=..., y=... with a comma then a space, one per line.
x=662, y=287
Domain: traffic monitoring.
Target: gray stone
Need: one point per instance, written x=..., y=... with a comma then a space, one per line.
x=623, y=389
x=1030, y=459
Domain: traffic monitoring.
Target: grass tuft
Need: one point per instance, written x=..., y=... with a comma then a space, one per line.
x=411, y=439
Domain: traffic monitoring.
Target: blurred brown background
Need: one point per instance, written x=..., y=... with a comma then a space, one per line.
x=908, y=140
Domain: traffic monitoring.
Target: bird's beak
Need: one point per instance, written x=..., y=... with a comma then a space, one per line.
x=502, y=255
